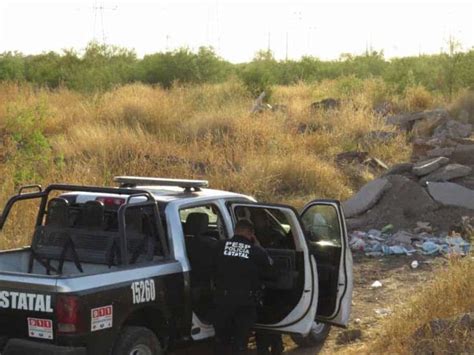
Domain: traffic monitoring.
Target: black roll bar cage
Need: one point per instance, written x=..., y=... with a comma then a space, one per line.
x=131, y=193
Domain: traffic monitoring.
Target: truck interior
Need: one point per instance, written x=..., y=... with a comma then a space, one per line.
x=73, y=237
x=202, y=228
x=274, y=232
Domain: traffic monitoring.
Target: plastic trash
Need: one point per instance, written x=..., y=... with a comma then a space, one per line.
x=376, y=284
x=402, y=237
x=375, y=234
x=357, y=244
x=430, y=248
x=387, y=228
x=397, y=250
x=414, y=264
x=457, y=245
x=383, y=311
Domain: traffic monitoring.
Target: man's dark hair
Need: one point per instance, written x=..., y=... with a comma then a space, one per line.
x=245, y=225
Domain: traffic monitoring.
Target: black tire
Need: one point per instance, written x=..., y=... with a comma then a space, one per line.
x=137, y=341
x=316, y=337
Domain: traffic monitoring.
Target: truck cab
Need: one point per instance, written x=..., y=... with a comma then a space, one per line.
x=127, y=264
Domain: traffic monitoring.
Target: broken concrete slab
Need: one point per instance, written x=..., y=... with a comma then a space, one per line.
x=440, y=152
x=451, y=194
x=446, y=173
x=406, y=120
x=427, y=166
x=367, y=197
x=425, y=127
x=464, y=154
x=453, y=129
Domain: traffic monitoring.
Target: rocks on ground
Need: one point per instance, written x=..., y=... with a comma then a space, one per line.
x=450, y=194
x=367, y=197
x=447, y=172
x=348, y=336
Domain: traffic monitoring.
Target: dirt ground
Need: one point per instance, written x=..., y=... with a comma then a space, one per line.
x=398, y=280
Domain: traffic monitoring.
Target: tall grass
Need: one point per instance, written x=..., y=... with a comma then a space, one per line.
x=204, y=131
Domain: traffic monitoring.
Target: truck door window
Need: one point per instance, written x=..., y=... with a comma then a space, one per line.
x=272, y=228
x=142, y=237
x=322, y=225
x=203, y=220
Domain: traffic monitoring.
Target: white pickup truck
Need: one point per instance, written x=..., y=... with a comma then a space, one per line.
x=111, y=270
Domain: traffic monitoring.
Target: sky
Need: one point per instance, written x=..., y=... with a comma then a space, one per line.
x=238, y=29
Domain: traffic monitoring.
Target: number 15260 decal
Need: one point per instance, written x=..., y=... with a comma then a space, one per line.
x=143, y=291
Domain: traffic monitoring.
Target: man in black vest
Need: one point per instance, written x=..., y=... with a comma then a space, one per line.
x=240, y=264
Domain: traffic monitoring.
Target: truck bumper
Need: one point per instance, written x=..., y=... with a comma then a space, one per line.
x=28, y=347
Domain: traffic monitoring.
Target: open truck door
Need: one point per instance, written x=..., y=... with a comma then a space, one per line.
x=326, y=235
x=289, y=304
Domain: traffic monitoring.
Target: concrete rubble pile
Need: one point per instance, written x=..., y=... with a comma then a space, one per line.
x=418, y=207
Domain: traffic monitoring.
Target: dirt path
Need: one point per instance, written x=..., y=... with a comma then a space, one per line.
x=398, y=280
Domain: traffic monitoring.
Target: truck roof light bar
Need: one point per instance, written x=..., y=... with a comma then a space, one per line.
x=134, y=181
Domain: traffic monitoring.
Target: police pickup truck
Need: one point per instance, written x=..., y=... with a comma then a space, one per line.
x=119, y=270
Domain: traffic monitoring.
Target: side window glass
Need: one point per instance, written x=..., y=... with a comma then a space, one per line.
x=203, y=220
x=142, y=236
x=272, y=226
x=321, y=223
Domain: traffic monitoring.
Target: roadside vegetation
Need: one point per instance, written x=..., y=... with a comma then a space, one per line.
x=101, y=67
x=84, y=119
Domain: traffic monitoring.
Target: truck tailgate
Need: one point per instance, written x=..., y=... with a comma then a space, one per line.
x=27, y=306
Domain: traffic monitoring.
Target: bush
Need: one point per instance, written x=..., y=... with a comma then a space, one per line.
x=417, y=98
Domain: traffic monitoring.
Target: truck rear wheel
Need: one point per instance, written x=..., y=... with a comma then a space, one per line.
x=137, y=341
x=316, y=336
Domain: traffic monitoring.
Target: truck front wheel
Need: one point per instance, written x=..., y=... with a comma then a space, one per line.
x=316, y=336
x=137, y=341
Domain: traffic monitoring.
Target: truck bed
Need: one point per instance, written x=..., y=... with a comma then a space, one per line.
x=17, y=261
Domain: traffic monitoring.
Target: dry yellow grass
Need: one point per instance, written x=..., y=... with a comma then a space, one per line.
x=449, y=294
x=202, y=131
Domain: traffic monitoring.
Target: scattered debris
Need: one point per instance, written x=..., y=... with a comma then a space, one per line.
x=350, y=157
x=379, y=136
x=414, y=264
x=406, y=121
x=423, y=227
x=378, y=243
x=453, y=129
x=376, y=284
x=279, y=108
x=399, y=169
x=384, y=108
x=259, y=105
x=326, y=104
x=348, y=336
x=383, y=311
x=428, y=166
x=375, y=163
